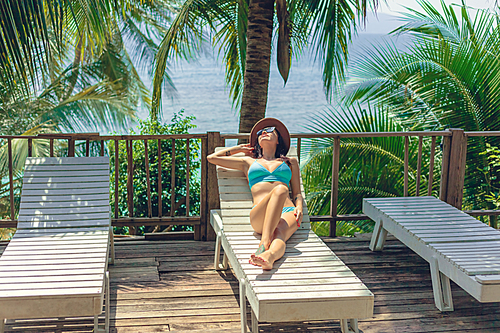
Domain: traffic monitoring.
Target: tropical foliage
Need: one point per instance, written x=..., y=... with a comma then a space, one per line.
x=178, y=125
x=449, y=77
x=368, y=167
x=242, y=31
x=69, y=66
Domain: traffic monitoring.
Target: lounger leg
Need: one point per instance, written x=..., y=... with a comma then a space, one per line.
x=378, y=238
x=225, y=261
x=255, y=323
x=218, y=241
x=243, y=306
x=111, y=246
x=218, y=244
x=107, y=304
x=106, y=308
x=441, y=287
x=349, y=325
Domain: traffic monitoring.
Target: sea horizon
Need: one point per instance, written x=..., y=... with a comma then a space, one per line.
x=202, y=90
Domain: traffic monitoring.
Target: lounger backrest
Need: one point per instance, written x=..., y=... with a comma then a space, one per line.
x=236, y=198
x=61, y=192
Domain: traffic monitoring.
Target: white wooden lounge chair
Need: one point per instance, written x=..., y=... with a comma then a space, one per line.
x=456, y=245
x=309, y=283
x=55, y=266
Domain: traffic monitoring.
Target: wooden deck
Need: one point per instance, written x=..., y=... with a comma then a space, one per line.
x=159, y=286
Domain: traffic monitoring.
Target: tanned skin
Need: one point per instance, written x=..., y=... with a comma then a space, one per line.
x=269, y=197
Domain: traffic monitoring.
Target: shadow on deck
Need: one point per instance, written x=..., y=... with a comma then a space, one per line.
x=159, y=286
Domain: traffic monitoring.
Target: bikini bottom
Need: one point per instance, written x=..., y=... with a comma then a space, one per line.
x=284, y=210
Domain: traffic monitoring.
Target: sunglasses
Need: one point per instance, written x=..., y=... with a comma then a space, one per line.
x=266, y=129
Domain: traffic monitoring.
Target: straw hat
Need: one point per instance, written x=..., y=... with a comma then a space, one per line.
x=266, y=122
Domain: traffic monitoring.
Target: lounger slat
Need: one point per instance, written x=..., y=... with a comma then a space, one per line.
x=431, y=228
x=73, y=199
x=39, y=182
x=57, y=278
x=297, y=245
x=63, y=168
x=307, y=282
x=72, y=217
x=36, y=174
x=33, y=262
x=65, y=192
x=488, y=279
x=246, y=220
x=246, y=253
x=38, y=257
x=68, y=232
x=58, y=224
x=304, y=264
x=60, y=267
x=292, y=270
x=303, y=276
x=472, y=251
x=236, y=196
x=427, y=216
x=53, y=238
x=459, y=232
x=238, y=212
x=315, y=296
x=469, y=245
x=96, y=292
x=80, y=161
x=436, y=221
x=67, y=185
x=63, y=204
x=50, y=273
x=6, y=287
x=64, y=211
x=20, y=247
x=429, y=240
x=302, y=233
x=310, y=288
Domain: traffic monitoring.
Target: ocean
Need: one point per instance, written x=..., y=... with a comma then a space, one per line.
x=202, y=92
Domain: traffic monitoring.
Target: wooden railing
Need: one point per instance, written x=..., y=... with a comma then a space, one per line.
x=337, y=138
x=70, y=141
x=451, y=178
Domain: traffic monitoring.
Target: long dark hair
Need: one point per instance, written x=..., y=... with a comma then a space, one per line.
x=279, y=153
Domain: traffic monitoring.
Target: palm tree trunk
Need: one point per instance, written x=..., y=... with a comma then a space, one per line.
x=257, y=63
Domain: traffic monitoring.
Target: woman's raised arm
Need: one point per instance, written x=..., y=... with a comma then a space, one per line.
x=224, y=159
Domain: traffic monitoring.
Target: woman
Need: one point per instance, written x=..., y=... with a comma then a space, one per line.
x=274, y=215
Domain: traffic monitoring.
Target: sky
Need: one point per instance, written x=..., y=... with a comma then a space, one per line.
x=387, y=17
x=395, y=6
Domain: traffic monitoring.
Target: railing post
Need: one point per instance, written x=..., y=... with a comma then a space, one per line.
x=453, y=168
x=200, y=231
x=334, y=194
x=71, y=147
x=214, y=140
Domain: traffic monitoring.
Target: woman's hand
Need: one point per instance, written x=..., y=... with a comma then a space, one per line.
x=298, y=215
x=246, y=149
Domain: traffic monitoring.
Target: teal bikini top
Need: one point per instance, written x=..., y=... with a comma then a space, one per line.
x=257, y=173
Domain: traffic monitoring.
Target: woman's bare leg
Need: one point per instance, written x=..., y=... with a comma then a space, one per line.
x=265, y=216
x=286, y=227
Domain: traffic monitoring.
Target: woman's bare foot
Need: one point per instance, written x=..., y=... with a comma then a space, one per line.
x=264, y=260
x=263, y=246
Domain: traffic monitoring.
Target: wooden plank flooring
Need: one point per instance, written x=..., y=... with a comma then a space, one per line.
x=159, y=286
